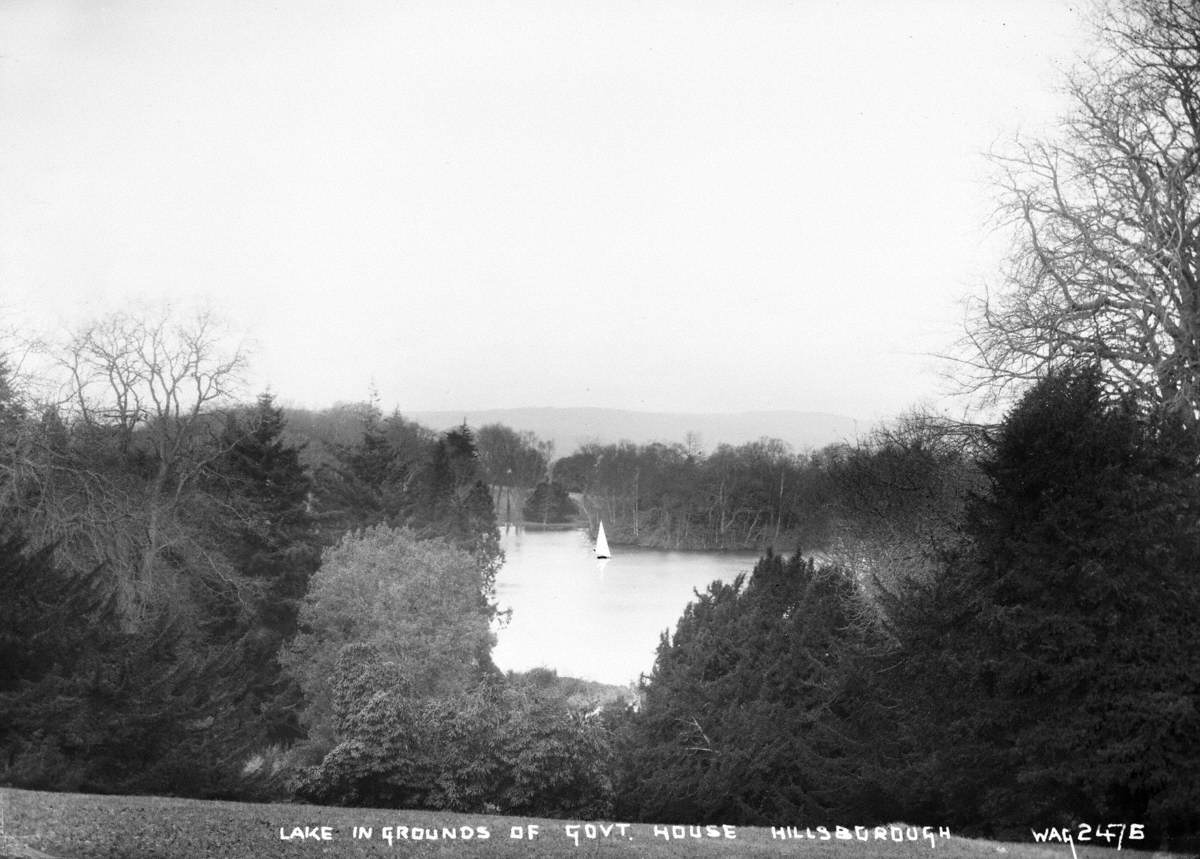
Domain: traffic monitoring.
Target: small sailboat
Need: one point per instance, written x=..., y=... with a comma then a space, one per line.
x=602, y=551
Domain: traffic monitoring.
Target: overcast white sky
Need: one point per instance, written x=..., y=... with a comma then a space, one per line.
x=667, y=206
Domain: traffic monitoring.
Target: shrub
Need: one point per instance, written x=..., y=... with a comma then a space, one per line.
x=498, y=747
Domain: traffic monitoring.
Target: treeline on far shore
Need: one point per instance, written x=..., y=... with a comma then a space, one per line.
x=676, y=495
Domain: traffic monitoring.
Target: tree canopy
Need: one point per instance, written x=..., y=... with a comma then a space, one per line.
x=1108, y=221
x=416, y=602
x=748, y=714
x=1054, y=648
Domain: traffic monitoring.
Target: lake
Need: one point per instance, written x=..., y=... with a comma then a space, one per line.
x=591, y=619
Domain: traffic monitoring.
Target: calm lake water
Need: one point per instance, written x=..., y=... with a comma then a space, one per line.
x=591, y=619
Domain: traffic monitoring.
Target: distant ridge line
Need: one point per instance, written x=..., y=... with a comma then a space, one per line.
x=568, y=427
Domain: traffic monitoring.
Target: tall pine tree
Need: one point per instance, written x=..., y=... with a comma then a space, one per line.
x=274, y=543
x=450, y=500
x=277, y=541
x=1061, y=646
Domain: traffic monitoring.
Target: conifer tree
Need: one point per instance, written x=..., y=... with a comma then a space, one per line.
x=1063, y=642
x=44, y=614
x=450, y=500
x=375, y=480
x=276, y=542
x=751, y=713
x=351, y=492
x=1088, y=548
x=86, y=706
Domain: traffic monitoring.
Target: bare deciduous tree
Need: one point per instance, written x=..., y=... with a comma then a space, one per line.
x=150, y=389
x=1107, y=268
x=902, y=496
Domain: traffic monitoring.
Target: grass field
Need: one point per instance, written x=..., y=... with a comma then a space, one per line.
x=78, y=826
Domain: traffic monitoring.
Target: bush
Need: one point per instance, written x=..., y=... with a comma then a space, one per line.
x=497, y=748
x=416, y=602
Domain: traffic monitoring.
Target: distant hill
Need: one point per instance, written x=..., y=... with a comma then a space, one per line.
x=568, y=428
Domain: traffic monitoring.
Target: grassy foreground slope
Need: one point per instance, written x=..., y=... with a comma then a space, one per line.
x=79, y=826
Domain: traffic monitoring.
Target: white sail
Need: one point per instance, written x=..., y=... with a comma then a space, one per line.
x=602, y=544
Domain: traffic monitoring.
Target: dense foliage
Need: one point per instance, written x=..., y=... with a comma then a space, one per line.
x=510, y=746
x=1037, y=668
x=1055, y=649
x=399, y=474
x=87, y=706
x=754, y=495
x=509, y=458
x=157, y=542
x=139, y=571
x=416, y=602
x=403, y=705
x=897, y=502
x=752, y=712
x=997, y=635
x=550, y=503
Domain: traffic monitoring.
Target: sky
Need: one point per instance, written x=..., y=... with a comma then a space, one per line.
x=661, y=206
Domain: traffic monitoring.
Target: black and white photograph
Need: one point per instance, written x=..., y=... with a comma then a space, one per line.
x=538, y=428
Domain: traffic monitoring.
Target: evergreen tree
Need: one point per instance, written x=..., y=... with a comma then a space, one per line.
x=374, y=481
x=44, y=614
x=398, y=476
x=276, y=542
x=86, y=706
x=1063, y=641
x=752, y=713
x=450, y=500
x=354, y=491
